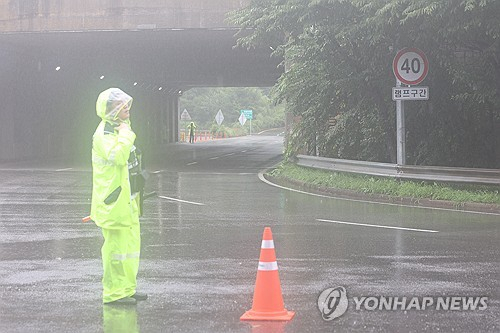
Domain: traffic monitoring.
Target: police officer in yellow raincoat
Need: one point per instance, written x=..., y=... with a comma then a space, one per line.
x=115, y=197
x=191, y=129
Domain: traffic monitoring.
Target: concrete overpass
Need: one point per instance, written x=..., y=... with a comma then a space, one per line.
x=57, y=55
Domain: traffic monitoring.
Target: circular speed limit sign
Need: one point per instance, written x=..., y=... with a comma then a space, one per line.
x=410, y=66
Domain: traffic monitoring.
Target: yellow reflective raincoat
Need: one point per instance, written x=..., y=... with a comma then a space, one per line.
x=191, y=131
x=114, y=208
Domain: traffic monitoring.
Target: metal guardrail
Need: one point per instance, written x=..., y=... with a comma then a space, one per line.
x=428, y=173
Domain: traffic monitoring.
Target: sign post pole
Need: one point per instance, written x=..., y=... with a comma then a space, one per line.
x=401, y=130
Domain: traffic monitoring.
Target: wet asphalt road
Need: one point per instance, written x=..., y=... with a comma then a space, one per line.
x=201, y=244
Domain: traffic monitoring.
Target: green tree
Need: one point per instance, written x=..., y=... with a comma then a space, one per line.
x=338, y=77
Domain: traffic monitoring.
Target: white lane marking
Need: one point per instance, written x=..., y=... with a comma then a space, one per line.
x=178, y=244
x=377, y=226
x=155, y=172
x=191, y=163
x=214, y=158
x=216, y=173
x=179, y=200
x=263, y=179
x=243, y=151
x=64, y=169
x=230, y=154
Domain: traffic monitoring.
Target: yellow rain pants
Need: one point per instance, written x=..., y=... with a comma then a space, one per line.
x=120, y=260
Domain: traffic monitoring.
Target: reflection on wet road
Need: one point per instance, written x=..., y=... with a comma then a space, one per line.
x=201, y=243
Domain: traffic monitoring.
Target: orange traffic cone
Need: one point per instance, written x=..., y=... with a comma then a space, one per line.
x=267, y=298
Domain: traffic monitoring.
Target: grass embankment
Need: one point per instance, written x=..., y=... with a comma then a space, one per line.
x=363, y=184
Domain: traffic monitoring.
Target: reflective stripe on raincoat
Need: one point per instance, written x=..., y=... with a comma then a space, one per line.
x=112, y=206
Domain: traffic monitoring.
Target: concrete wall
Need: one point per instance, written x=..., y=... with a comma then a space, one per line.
x=83, y=15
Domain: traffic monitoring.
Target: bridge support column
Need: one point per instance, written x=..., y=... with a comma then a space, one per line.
x=168, y=119
x=155, y=117
x=172, y=113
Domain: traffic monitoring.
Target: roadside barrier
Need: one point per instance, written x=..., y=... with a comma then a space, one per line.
x=201, y=136
x=267, y=298
x=413, y=172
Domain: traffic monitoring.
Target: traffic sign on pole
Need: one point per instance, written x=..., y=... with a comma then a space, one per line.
x=248, y=114
x=219, y=118
x=410, y=66
x=185, y=115
x=242, y=119
x=410, y=93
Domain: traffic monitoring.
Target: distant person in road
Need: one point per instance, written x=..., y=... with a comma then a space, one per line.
x=191, y=129
x=115, y=195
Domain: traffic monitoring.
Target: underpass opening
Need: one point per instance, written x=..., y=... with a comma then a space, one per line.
x=216, y=112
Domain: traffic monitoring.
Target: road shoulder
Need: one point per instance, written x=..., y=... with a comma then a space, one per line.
x=382, y=198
